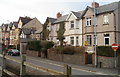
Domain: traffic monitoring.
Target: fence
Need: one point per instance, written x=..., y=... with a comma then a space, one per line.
x=23, y=65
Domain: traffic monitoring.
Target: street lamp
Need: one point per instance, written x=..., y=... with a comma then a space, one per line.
x=95, y=34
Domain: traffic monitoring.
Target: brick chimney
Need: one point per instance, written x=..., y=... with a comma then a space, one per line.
x=58, y=15
x=95, y=4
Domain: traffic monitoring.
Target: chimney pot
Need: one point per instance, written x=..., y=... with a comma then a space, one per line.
x=59, y=15
x=95, y=4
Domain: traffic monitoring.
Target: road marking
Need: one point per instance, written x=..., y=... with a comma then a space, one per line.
x=95, y=72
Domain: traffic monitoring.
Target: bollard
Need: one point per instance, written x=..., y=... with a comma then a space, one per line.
x=67, y=70
x=22, y=66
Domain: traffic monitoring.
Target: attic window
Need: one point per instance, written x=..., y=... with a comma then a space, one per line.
x=105, y=19
x=88, y=21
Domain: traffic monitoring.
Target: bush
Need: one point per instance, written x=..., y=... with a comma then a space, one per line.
x=37, y=45
x=106, y=51
x=69, y=50
x=46, y=44
x=34, y=45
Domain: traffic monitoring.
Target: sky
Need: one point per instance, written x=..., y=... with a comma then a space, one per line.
x=11, y=10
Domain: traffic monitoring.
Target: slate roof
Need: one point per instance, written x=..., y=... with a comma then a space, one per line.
x=77, y=14
x=52, y=20
x=27, y=31
x=25, y=20
x=61, y=19
x=107, y=8
x=15, y=24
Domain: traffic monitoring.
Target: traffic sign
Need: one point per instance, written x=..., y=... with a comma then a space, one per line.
x=114, y=46
x=86, y=43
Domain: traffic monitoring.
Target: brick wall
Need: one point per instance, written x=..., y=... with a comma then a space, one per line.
x=107, y=62
x=73, y=59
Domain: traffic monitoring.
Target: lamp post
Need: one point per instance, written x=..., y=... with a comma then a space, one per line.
x=95, y=34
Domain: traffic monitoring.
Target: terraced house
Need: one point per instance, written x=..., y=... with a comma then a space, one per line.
x=79, y=26
x=107, y=25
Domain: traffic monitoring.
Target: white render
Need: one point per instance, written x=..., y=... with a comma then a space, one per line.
x=73, y=32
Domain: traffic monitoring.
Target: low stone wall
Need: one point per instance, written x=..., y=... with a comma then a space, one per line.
x=73, y=59
x=106, y=62
x=33, y=53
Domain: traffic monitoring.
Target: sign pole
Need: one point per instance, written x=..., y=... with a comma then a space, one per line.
x=115, y=58
x=115, y=47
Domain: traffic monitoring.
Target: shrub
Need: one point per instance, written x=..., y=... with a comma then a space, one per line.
x=37, y=45
x=34, y=45
x=106, y=51
x=46, y=44
x=69, y=50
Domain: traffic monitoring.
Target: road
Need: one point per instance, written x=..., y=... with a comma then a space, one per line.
x=59, y=66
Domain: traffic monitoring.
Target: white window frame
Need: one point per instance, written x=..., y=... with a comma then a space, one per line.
x=105, y=19
x=72, y=39
x=72, y=24
x=105, y=38
x=88, y=21
x=90, y=39
x=77, y=40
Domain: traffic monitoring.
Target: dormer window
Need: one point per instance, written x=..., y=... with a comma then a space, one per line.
x=105, y=19
x=88, y=21
x=72, y=24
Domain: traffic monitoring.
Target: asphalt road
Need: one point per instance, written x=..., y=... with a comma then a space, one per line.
x=59, y=66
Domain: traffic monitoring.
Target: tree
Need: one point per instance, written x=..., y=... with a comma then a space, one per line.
x=60, y=33
x=45, y=31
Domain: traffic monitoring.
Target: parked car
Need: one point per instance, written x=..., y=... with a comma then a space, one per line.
x=13, y=52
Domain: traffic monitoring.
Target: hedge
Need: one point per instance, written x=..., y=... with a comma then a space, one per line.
x=38, y=45
x=106, y=51
x=34, y=45
x=70, y=50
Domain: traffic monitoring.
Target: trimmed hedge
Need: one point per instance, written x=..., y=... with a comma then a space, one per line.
x=39, y=45
x=34, y=45
x=70, y=50
x=106, y=51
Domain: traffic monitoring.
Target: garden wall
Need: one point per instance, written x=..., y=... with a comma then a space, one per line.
x=73, y=59
x=106, y=62
x=33, y=53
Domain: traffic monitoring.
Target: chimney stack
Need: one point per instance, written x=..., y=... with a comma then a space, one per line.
x=95, y=4
x=58, y=15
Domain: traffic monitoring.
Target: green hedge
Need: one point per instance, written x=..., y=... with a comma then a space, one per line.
x=70, y=50
x=39, y=45
x=106, y=51
x=34, y=45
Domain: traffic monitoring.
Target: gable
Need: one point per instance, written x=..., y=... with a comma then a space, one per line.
x=8, y=28
x=20, y=24
x=71, y=17
x=89, y=12
x=13, y=27
x=35, y=23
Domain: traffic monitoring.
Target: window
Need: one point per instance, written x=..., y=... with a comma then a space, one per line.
x=77, y=42
x=106, y=39
x=72, y=24
x=88, y=21
x=89, y=39
x=105, y=19
x=72, y=40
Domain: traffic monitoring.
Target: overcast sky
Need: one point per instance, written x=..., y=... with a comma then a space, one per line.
x=11, y=10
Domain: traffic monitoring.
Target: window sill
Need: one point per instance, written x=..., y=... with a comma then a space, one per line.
x=105, y=23
x=71, y=28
